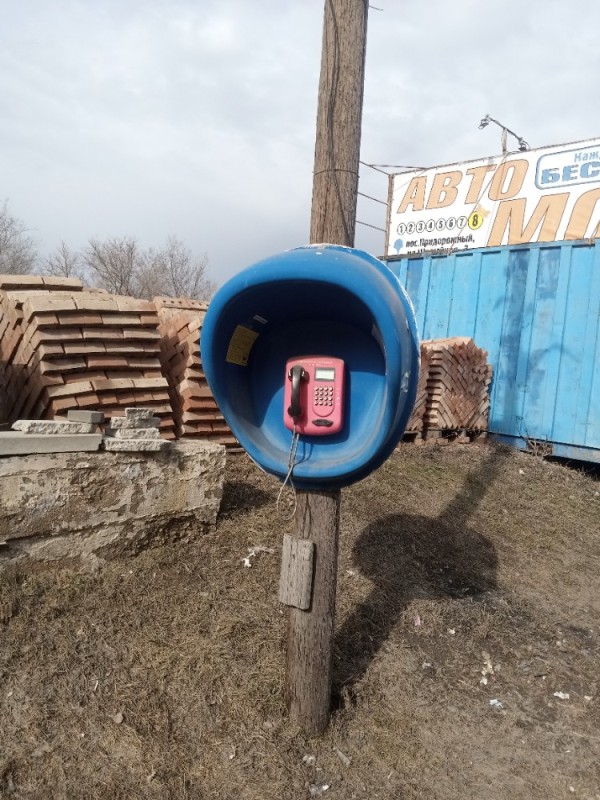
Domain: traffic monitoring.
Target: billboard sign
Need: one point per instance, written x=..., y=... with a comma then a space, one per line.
x=544, y=195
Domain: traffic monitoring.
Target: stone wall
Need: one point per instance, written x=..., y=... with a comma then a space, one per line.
x=69, y=505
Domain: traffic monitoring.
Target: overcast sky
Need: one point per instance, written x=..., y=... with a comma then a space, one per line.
x=197, y=117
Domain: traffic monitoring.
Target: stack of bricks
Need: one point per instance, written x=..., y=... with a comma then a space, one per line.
x=195, y=410
x=416, y=422
x=458, y=380
x=73, y=349
x=18, y=363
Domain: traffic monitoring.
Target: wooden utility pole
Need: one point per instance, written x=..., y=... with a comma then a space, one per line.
x=339, y=119
x=335, y=187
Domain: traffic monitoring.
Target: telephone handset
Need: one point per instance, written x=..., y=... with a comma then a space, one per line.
x=314, y=395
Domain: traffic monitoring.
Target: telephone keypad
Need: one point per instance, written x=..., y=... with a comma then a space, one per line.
x=323, y=395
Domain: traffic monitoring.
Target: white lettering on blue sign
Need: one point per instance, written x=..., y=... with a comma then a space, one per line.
x=572, y=173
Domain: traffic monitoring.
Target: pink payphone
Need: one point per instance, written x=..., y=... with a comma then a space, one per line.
x=313, y=401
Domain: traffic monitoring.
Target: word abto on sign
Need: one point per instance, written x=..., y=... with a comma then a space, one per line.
x=544, y=195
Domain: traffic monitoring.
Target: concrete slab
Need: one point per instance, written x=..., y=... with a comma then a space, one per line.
x=52, y=427
x=134, y=423
x=15, y=443
x=138, y=413
x=135, y=445
x=65, y=505
x=136, y=433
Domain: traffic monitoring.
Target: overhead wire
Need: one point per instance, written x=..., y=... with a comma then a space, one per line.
x=382, y=167
x=368, y=225
x=368, y=196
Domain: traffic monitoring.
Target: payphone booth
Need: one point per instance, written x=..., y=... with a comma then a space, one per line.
x=315, y=347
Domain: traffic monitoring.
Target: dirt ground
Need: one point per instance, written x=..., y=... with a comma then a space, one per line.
x=466, y=661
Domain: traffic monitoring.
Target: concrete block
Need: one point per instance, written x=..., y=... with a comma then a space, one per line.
x=16, y=443
x=135, y=445
x=95, y=417
x=143, y=434
x=134, y=424
x=138, y=413
x=69, y=505
x=52, y=427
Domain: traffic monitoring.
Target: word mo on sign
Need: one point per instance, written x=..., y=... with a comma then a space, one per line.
x=543, y=195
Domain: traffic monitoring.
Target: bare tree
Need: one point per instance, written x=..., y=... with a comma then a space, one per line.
x=114, y=264
x=17, y=249
x=64, y=263
x=120, y=266
x=173, y=271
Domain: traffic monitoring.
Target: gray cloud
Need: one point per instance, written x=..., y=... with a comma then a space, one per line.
x=197, y=118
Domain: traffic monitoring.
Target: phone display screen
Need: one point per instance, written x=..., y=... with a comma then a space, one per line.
x=324, y=374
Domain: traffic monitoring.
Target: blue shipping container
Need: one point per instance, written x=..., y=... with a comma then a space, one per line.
x=535, y=308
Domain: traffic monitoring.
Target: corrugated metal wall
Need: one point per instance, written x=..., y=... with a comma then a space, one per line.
x=536, y=310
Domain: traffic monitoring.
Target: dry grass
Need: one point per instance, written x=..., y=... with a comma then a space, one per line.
x=161, y=675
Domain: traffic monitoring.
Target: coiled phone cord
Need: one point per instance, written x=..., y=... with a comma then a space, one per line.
x=288, y=479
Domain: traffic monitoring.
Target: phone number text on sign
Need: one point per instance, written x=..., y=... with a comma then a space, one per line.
x=447, y=224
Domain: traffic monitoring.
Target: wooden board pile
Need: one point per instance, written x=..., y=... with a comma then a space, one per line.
x=416, y=421
x=195, y=410
x=454, y=386
x=18, y=367
x=65, y=348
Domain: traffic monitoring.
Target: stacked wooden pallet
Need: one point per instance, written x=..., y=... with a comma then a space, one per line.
x=195, y=411
x=458, y=379
x=18, y=368
x=416, y=421
x=65, y=350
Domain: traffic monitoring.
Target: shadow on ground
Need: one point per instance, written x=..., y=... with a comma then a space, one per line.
x=239, y=496
x=411, y=556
